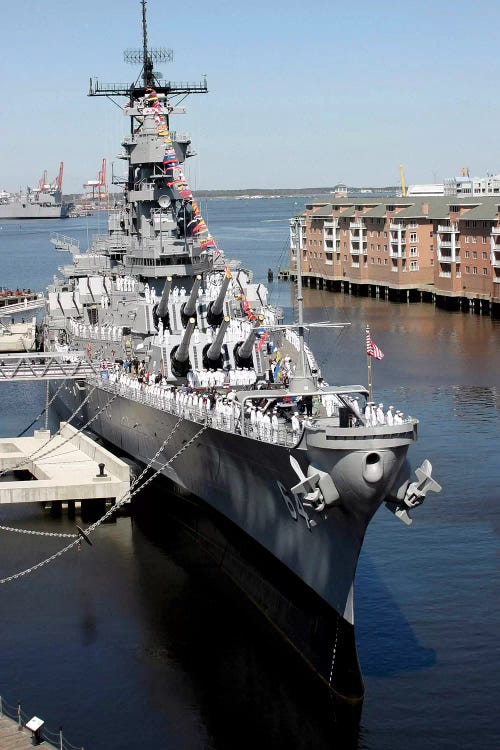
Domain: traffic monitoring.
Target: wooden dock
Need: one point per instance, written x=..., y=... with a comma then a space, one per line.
x=13, y=738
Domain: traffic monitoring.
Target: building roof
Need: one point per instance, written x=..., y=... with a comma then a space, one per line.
x=486, y=212
x=377, y=212
x=324, y=210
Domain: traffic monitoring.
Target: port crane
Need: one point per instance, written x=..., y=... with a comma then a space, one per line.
x=99, y=185
x=403, y=183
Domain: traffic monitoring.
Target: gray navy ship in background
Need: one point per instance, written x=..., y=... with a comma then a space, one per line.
x=42, y=202
x=197, y=374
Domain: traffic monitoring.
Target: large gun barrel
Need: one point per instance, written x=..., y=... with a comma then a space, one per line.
x=213, y=353
x=189, y=307
x=243, y=350
x=162, y=309
x=180, y=355
x=215, y=308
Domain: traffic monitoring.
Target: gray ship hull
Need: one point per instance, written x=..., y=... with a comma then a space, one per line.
x=246, y=481
x=19, y=211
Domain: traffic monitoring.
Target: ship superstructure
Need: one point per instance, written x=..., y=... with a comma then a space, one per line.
x=196, y=372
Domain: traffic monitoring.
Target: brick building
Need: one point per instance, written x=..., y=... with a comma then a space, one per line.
x=444, y=246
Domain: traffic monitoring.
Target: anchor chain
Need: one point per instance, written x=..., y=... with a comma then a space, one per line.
x=134, y=490
x=44, y=409
x=43, y=455
x=36, y=533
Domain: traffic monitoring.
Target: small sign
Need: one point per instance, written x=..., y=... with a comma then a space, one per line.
x=35, y=723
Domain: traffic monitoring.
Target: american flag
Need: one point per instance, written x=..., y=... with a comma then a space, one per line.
x=372, y=349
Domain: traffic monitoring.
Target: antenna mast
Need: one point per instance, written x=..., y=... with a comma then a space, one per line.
x=148, y=58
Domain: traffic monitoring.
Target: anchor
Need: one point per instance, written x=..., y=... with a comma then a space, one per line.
x=307, y=487
x=415, y=493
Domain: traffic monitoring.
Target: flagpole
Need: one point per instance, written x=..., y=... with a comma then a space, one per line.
x=369, y=365
x=370, y=389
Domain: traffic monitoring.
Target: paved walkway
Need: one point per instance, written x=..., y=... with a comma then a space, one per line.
x=11, y=738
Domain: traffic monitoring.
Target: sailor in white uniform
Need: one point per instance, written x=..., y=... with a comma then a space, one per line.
x=296, y=425
x=389, y=417
x=380, y=414
x=275, y=425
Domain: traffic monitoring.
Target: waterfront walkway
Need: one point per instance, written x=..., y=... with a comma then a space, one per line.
x=11, y=738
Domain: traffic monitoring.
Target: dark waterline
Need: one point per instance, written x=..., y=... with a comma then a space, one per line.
x=128, y=649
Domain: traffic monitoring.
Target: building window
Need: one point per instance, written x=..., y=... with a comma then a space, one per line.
x=485, y=271
x=379, y=261
x=484, y=239
x=413, y=265
x=378, y=248
x=432, y=261
x=485, y=256
x=474, y=270
x=474, y=254
x=467, y=253
x=385, y=261
x=385, y=235
x=385, y=248
x=372, y=260
x=474, y=239
x=467, y=239
x=467, y=269
x=413, y=250
x=345, y=257
x=413, y=237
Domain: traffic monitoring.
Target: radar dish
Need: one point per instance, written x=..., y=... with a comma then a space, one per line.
x=164, y=201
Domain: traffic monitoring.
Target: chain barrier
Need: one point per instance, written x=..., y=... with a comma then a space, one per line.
x=54, y=738
x=126, y=497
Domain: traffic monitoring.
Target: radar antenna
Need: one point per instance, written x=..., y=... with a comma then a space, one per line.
x=147, y=57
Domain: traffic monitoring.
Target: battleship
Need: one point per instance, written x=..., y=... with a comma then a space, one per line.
x=45, y=201
x=197, y=376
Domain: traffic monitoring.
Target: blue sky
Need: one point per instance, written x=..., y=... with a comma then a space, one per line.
x=300, y=93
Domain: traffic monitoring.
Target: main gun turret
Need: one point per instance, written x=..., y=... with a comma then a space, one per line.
x=160, y=311
x=215, y=308
x=244, y=349
x=189, y=308
x=212, y=357
x=179, y=357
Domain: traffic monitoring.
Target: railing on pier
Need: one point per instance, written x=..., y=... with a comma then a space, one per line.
x=47, y=735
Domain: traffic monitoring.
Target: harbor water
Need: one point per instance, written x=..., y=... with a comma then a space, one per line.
x=127, y=648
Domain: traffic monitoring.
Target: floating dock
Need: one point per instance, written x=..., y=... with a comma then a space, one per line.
x=67, y=466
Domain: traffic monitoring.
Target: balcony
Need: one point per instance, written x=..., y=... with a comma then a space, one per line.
x=445, y=274
x=445, y=229
x=357, y=224
x=495, y=231
x=396, y=227
x=331, y=224
x=495, y=262
x=445, y=243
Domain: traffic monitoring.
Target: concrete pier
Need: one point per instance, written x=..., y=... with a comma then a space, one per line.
x=63, y=468
x=11, y=737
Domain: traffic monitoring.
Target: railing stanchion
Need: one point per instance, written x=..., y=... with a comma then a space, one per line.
x=19, y=723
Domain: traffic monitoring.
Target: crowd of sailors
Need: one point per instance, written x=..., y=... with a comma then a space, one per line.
x=279, y=420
